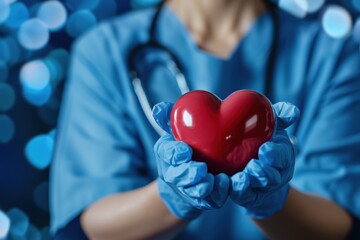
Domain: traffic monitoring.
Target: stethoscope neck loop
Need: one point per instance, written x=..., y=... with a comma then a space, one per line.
x=273, y=51
x=155, y=20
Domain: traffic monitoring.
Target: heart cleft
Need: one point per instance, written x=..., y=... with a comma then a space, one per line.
x=227, y=134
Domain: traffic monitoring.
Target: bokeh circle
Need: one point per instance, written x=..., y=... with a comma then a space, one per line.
x=80, y=22
x=33, y=34
x=4, y=225
x=337, y=22
x=7, y=97
x=7, y=128
x=53, y=14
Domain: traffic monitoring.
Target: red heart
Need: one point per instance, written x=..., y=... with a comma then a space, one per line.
x=224, y=134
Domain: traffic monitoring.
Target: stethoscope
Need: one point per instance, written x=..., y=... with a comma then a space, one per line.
x=176, y=68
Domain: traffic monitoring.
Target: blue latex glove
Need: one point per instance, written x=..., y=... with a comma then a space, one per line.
x=185, y=185
x=262, y=187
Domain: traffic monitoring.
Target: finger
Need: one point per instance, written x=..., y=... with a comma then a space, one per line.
x=161, y=113
x=186, y=174
x=213, y=193
x=201, y=189
x=287, y=173
x=277, y=155
x=240, y=189
x=171, y=151
x=261, y=175
x=286, y=114
x=220, y=191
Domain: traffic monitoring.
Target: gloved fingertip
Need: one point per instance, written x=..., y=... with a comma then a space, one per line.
x=240, y=189
x=160, y=107
x=267, y=152
x=187, y=174
x=257, y=173
x=286, y=114
x=201, y=169
x=223, y=177
x=238, y=181
x=277, y=155
x=201, y=189
x=222, y=180
x=163, y=148
x=253, y=166
x=161, y=113
x=183, y=153
x=266, y=147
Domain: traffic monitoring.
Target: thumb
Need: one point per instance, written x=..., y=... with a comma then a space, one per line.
x=286, y=114
x=161, y=113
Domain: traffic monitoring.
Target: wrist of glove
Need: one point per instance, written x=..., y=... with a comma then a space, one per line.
x=184, y=185
x=262, y=187
x=175, y=202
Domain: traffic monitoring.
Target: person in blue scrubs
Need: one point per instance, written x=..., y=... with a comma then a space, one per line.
x=104, y=177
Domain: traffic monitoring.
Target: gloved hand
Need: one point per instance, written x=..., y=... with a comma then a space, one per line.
x=185, y=185
x=262, y=187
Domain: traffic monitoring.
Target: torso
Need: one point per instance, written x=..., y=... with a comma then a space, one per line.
x=298, y=78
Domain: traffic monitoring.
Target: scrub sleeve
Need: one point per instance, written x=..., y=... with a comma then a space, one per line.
x=98, y=151
x=328, y=163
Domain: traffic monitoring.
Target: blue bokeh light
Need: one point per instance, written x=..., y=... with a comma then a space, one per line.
x=33, y=233
x=293, y=8
x=53, y=14
x=7, y=129
x=4, y=225
x=37, y=97
x=76, y=5
x=106, y=9
x=5, y=53
x=310, y=6
x=57, y=61
x=19, y=13
x=4, y=11
x=337, y=22
x=35, y=80
x=33, y=34
x=9, y=50
x=38, y=151
x=19, y=223
x=357, y=31
x=40, y=196
x=3, y=71
x=136, y=4
x=55, y=68
x=80, y=22
x=356, y=4
x=61, y=55
x=35, y=75
x=7, y=97
x=12, y=51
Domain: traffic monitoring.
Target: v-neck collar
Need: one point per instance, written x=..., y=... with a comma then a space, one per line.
x=182, y=37
x=246, y=64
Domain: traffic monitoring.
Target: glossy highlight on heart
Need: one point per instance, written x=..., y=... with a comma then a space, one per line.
x=224, y=134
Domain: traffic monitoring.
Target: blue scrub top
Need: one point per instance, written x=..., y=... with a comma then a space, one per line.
x=105, y=143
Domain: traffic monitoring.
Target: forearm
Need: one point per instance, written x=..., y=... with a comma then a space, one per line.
x=307, y=216
x=138, y=214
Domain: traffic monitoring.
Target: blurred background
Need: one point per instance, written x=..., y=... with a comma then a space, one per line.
x=35, y=45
